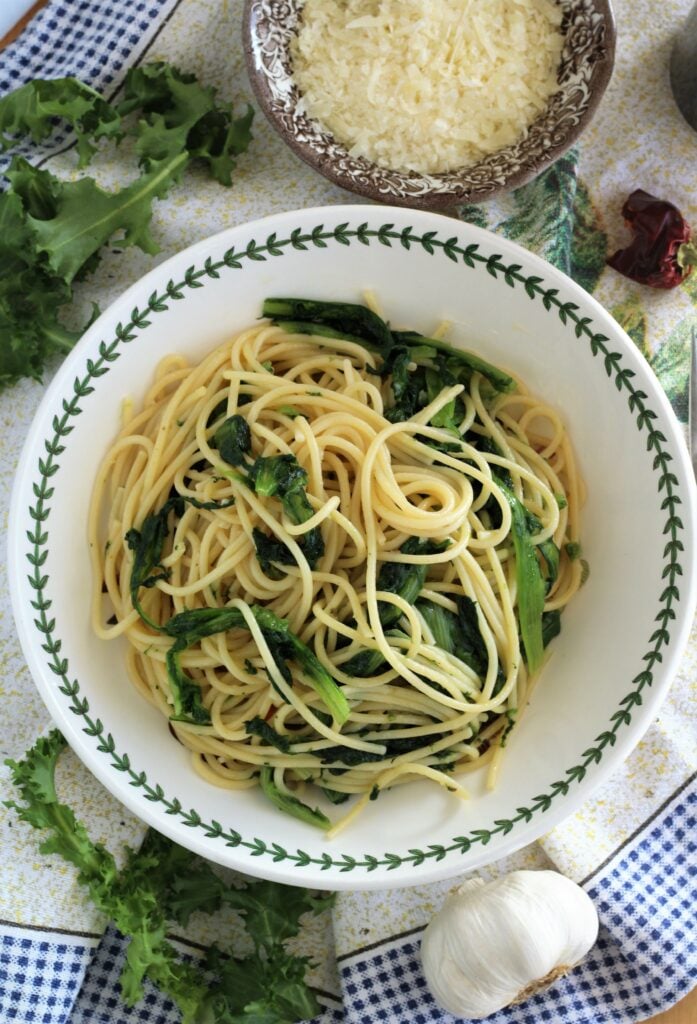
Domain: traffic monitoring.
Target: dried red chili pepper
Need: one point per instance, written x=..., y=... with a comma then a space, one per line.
x=660, y=254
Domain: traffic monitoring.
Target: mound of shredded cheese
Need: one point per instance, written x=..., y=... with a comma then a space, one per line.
x=427, y=85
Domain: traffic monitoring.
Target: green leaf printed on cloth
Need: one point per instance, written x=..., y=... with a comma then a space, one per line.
x=588, y=240
x=542, y=217
x=631, y=316
x=671, y=364
x=553, y=215
x=670, y=359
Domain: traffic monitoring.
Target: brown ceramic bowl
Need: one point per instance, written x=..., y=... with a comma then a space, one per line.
x=584, y=72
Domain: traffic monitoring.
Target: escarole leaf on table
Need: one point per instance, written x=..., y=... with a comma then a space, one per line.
x=53, y=230
x=32, y=109
x=162, y=883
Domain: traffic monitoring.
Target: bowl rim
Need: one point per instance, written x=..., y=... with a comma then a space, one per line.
x=330, y=871
x=440, y=201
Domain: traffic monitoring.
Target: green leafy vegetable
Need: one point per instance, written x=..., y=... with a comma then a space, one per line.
x=32, y=109
x=369, y=662
x=53, y=230
x=402, y=578
x=548, y=550
x=182, y=114
x=188, y=704
x=146, y=545
x=278, y=474
x=148, y=542
x=344, y=319
x=531, y=584
x=162, y=882
x=459, y=634
x=365, y=663
x=271, y=552
x=314, y=670
x=573, y=550
x=258, y=727
x=551, y=626
x=438, y=364
x=283, y=475
x=405, y=579
x=335, y=796
x=351, y=757
x=506, y=732
x=458, y=359
x=290, y=804
x=189, y=627
x=86, y=216
x=233, y=439
x=407, y=386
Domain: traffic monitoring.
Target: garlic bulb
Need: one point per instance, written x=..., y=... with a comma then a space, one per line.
x=499, y=942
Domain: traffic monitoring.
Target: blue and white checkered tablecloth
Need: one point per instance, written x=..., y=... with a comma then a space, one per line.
x=645, y=958
x=633, y=848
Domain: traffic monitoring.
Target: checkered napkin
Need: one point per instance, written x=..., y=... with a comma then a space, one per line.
x=633, y=846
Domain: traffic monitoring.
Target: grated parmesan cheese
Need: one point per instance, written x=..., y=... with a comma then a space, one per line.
x=427, y=85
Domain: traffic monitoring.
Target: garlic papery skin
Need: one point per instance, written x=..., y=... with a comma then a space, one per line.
x=496, y=943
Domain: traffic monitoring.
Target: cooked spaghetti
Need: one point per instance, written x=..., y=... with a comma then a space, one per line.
x=337, y=552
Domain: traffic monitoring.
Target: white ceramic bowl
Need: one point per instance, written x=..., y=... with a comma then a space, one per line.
x=622, y=635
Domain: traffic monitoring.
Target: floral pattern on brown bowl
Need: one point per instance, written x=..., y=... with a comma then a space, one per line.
x=584, y=72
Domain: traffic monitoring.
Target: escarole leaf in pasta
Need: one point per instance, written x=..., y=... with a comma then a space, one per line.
x=233, y=439
x=357, y=323
x=146, y=545
x=407, y=581
x=270, y=553
x=188, y=627
x=346, y=320
x=259, y=727
x=162, y=882
x=459, y=634
x=530, y=582
x=350, y=757
x=289, y=803
x=313, y=669
x=548, y=551
x=188, y=705
x=283, y=476
x=457, y=358
x=279, y=476
x=551, y=626
x=404, y=578
x=148, y=542
x=364, y=664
